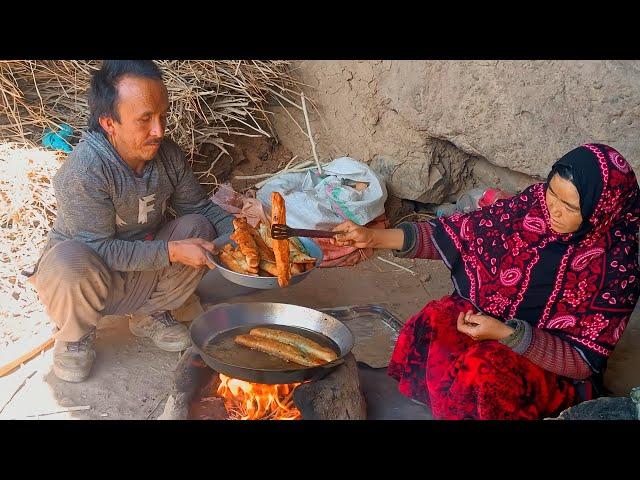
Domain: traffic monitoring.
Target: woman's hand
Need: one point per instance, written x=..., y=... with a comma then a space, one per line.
x=483, y=327
x=353, y=235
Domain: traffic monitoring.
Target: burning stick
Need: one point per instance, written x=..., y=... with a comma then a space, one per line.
x=252, y=401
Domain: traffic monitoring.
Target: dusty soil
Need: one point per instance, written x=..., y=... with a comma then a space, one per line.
x=131, y=378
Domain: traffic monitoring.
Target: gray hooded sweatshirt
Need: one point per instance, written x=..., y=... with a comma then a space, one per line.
x=103, y=203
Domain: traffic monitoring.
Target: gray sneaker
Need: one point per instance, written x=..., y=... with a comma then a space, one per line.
x=72, y=361
x=163, y=329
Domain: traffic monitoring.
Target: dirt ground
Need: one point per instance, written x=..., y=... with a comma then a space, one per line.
x=131, y=379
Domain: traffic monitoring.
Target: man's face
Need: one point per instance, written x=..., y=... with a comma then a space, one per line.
x=142, y=106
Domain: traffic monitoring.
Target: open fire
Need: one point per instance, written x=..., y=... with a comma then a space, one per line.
x=202, y=393
x=254, y=401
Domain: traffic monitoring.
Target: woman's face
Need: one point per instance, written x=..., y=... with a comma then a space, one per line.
x=563, y=201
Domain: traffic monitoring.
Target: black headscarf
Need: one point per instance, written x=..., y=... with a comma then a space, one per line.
x=587, y=179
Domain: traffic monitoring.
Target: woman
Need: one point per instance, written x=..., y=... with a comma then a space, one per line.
x=544, y=284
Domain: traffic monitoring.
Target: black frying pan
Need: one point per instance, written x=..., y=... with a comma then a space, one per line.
x=213, y=333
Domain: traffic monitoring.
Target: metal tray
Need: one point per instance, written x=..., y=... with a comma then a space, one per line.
x=374, y=329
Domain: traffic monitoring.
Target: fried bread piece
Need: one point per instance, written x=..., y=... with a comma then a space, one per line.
x=263, y=249
x=242, y=236
x=230, y=260
x=298, y=341
x=278, y=349
x=280, y=247
x=269, y=267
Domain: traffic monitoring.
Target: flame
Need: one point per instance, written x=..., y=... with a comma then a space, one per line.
x=256, y=401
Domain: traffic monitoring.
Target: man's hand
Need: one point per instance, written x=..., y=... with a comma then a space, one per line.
x=191, y=252
x=353, y=235
x=482, y=327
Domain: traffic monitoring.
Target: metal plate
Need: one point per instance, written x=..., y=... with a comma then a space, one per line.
x=265, y=283
x=213, y=332
x=375, y=330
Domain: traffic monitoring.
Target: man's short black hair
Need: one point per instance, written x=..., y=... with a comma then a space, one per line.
x=103, y=92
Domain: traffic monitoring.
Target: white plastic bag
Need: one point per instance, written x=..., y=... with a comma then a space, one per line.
x=322, y=202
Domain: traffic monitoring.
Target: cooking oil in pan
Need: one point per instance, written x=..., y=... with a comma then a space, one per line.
x=223, y=348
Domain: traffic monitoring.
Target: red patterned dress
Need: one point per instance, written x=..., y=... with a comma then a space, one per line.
x=572, y=294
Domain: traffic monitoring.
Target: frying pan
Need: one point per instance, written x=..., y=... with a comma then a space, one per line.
x=213, y=333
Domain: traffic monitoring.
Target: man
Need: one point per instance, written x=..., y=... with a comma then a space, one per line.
x=111, y=251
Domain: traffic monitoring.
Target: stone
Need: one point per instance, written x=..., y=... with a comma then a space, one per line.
x=425, y=125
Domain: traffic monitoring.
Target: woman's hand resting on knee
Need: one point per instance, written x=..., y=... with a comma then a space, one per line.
x=482, y=327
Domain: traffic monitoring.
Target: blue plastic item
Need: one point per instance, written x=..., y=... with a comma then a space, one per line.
x=446, y=209
x=58, y=140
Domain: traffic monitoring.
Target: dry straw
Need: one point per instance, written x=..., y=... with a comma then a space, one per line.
x=208, y=98
x=27, y=210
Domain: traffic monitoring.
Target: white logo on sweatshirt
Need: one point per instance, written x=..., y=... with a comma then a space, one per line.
x=120, y=222
x=145, y=206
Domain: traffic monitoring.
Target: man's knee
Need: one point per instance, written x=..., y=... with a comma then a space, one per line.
x=193, y=225
x=72, y=262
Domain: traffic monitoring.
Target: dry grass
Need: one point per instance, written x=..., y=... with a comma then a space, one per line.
x=27, y=210
x=208, y=98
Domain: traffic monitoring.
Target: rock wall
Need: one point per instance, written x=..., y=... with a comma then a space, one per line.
x=432, y=128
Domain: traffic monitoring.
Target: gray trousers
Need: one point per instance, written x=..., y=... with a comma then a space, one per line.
x=78, y=289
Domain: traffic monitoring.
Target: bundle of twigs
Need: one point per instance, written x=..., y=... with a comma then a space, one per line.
x=208, y=98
